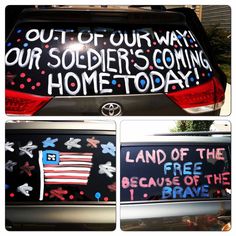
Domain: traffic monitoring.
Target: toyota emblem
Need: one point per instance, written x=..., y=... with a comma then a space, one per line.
x=111, y=109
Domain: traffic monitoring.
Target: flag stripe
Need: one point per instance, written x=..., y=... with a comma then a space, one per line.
x=74, y=163
x=72, y=166
x=86, y=160
x=66, y=180
x=76, y=153
x=66, y=171
x=53, y=183
x=67, y=168
x=68, y=177
x=66, y=174
x=77, y=156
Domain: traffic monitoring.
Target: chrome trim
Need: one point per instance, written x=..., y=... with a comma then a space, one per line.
x=172, y=201
x=173, y=209
x=62, y=125
x=70, y=214
x=155, y=140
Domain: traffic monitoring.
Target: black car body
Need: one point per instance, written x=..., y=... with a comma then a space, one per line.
x=111, y=61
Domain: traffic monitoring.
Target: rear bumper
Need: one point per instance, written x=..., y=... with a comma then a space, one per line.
x=175, y=215
x=98, y=217
x=131, y=105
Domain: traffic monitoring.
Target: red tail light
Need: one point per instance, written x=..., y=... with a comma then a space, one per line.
x=18, y=103
x=203, y=98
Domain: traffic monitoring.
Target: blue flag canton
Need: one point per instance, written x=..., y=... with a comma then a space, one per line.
x=51, y=157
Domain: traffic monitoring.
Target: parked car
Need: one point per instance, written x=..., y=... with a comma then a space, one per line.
x=74, y=60
x=60, y=175
x=176, y=182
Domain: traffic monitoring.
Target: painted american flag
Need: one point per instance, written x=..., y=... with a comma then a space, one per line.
x=70, y=168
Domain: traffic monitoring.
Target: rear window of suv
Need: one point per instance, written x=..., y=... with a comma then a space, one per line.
x=164, y=172
x=80, y=60
x=61, y=168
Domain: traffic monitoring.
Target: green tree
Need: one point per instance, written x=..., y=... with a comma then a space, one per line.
x=220, y=42
x=192, y=125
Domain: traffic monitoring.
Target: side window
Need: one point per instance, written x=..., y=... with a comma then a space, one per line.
x=163, y=172
x=60, y=167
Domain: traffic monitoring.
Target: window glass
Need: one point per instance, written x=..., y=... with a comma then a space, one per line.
x=163, y=172
x=60, y=168
x=72, y=59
